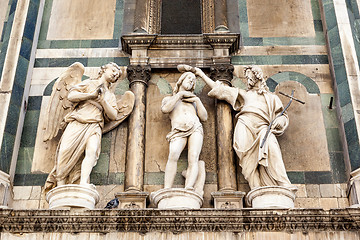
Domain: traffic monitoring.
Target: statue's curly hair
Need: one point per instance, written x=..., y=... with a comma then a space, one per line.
x=102, y=68
x=259, y=76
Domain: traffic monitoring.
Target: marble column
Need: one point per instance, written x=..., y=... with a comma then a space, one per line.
x=227, y=195
x=134, y=168
x=224, y=134
x=221, y=24
x=141, y=15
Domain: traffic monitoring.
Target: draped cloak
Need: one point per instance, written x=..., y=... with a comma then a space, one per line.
x=86, y=120
x=260, y=166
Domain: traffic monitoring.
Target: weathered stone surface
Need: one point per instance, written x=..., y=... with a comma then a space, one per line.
x=67, y=24
x=280, y=18
x=304, y=144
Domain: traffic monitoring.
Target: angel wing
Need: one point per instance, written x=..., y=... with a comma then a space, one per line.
x=59, y=105
x=125, y=105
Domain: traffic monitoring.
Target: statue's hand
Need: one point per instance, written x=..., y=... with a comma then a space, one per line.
x=185, y=68
x=191, y=99
x=185, y=94
x=279, y=123
x=94, y=94
x=198, y=72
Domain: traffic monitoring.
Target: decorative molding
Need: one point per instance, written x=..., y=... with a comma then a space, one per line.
x=208, y=20
x=175, y=49
x=177, y=221
x=154, y=17
x=136, y=41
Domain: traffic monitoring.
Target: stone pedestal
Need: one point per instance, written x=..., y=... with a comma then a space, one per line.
x=5, y=190
x=132, y=200
x=73, y=196
x=176, y=198
x=353, y=191
x=271, y=197
x=228, y=199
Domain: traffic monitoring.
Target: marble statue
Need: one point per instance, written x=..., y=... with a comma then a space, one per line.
x=84, y=110
x=185, y=111
x=262, y=164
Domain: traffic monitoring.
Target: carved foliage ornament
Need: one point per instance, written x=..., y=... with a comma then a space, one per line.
x=222, y=72
x=177, y=221
x=138, y=73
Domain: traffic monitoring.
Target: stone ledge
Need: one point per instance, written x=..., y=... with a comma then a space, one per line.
x=177, y=221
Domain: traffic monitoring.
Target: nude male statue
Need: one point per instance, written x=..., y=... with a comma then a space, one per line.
x=185, y=111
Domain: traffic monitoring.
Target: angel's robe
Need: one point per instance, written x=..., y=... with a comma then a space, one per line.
x=260, y=166
x=86, y=120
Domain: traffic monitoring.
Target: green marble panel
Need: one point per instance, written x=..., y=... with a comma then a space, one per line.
x=296, y=177
x=330, y=118
x=321, y=177
x=102, y=165
x=338, y=167
x=333, y=139
x=24, y=161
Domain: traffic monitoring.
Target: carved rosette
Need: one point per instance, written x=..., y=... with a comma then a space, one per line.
x=138, y=73
x=222, y=72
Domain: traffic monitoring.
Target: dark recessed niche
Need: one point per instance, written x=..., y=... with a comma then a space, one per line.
x=181, y=17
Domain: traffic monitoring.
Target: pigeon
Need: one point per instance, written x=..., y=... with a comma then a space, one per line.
x=112, y=204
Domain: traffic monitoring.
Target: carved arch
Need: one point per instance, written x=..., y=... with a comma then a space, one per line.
x=308, y=83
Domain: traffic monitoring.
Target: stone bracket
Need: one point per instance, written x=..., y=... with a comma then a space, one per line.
x=132, y=200
x=228, y=199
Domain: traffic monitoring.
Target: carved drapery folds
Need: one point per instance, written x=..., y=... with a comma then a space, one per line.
x=224, y=133
x=134, y=168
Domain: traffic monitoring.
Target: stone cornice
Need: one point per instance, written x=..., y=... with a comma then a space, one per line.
x=177, y=221
x=202, y=41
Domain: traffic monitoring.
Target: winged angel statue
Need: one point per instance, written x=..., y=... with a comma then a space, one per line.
x=82, y=111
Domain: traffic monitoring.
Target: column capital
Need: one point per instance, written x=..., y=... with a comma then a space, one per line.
x=222, y=72
x=139, y=74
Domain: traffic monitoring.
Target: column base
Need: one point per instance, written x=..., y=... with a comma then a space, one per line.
x=132, y=200
x=271, y=197
x=176, y=198
x=73, y=196
x=228, y=199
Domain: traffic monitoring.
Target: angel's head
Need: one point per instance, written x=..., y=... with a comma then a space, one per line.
x=110, y=71
x=187, y=80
